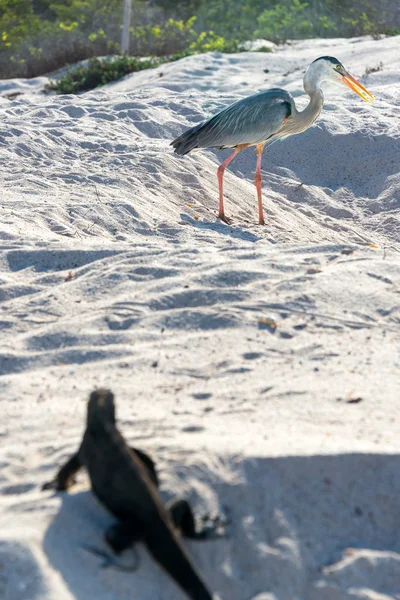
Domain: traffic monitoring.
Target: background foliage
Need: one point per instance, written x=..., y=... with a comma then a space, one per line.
x=39, y=36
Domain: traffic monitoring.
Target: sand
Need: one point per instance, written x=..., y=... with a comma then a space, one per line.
x=258, y=366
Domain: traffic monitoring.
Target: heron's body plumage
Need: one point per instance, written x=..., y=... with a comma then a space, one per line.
x=252, y=120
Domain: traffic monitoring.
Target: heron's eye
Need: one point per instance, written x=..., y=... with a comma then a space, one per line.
x=338, y=67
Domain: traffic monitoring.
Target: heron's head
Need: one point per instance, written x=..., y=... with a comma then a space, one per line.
x=328, y=68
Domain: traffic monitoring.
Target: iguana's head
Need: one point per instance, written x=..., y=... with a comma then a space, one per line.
x=101, y=406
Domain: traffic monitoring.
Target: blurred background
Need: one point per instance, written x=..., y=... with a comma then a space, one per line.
x=41, y=36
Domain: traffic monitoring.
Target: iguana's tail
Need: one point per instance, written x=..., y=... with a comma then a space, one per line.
x=166, y=548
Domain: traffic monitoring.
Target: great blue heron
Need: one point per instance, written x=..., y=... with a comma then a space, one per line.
x=264, y=117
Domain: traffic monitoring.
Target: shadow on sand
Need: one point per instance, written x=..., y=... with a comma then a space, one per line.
x=218, y=226
x=291, y=516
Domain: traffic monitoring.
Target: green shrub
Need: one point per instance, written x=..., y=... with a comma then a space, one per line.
x=299, y=20
x=172, y=36
x=177, y=39
x=56, y=50
x=231, y=18
x=264, y=49
x=38, y=36
x=99, y=72
x=175, y=36
x=282, y=19
x=209, y=41
x=391, y=31
x=282, y=22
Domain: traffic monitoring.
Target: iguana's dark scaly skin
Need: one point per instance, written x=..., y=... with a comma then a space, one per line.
x=124, y=480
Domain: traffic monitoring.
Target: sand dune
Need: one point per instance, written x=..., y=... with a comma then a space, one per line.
x=259, y=366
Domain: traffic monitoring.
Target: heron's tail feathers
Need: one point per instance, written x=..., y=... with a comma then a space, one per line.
x=187, y=141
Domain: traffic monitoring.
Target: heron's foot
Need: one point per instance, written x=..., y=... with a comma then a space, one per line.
x=111, y=560
x=261, y=222
x=225, y=219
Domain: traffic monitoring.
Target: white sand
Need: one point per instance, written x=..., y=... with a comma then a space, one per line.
x=115, y=271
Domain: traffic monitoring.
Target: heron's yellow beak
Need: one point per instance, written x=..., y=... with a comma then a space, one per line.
x=357, y=87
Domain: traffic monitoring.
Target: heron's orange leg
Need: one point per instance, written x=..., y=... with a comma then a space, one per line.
x=258, y=181
x=220, y=173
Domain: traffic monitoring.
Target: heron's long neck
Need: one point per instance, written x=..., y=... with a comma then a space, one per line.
x=314, y=107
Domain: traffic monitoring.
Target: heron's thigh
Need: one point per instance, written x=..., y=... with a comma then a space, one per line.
x=123, y=534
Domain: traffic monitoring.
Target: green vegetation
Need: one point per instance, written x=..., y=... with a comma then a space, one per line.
x=175, y=36
x=37, y=36
x=40, y=36
x=99, y=72
x=279, y=20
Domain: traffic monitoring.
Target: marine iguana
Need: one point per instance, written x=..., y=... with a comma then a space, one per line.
x=125, y=480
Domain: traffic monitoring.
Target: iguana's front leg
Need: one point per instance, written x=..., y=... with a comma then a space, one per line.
x=65, y=477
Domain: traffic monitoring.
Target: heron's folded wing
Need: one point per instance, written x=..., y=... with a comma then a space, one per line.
x=249, y=121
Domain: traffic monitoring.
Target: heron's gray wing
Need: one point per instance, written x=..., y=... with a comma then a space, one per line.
x=249, y=121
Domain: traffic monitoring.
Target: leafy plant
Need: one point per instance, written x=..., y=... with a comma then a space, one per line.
x=209, y=41
x=264, y=49
x=391, y=31
x=98, y=72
